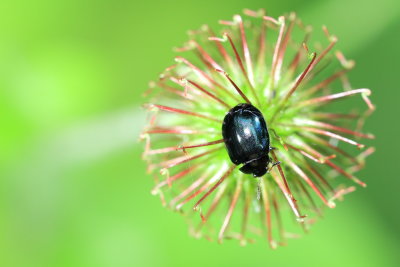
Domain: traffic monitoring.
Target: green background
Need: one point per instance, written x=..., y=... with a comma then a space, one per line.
x=73, y=190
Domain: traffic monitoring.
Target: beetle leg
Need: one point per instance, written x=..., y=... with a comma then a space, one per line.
x=273, y=165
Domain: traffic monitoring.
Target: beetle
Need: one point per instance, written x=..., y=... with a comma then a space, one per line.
x=247, y=139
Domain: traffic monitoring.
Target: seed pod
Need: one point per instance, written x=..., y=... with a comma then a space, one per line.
x=267, y=64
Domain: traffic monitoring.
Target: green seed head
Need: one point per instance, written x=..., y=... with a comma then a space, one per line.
x=298, y=87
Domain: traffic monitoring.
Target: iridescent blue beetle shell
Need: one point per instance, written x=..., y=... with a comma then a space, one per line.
x=246, y=139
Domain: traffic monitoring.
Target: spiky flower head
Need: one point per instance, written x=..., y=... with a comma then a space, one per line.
x=265, y=62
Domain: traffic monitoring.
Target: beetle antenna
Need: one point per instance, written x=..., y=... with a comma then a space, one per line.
x=273, y=165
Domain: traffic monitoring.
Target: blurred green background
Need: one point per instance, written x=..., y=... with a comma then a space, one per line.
x=73, y=190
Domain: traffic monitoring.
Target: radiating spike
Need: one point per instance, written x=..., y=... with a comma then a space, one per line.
x=281, y=23
x=254, y=13
x=327, y=98
x=177, y=176
x=232, y=206
x=261, y=53
x=271, y=19
x=245, y=217
x=212, y=180
x=310, y=199
x=334, y=166
x=226, y=174
x=307, y=179
x=333, y=41
x=328, y=126
x=246, y=51
x=361, y=159
x=236, y=87
x=146, y=137
x=202, y=89
x=161, y=150
x=181, y=111
x=221, y=49
x=238, y=58
x=278, y=217
x=205, y=55
x=214, y=204
x=304, y=153
x=175, y=91
x=175, y=130
x=296, y=59
x=200, y=145
x=291, y=201
x=293, y=89
x=285, y=41
x=174, y=162
x=316, y=174
x=333, y=116
x=189, y=189
x=341, y=192
x=203, y=75
x=267, y=210
x=326, y=133
x=282, y=175
x=312, y=90
x=240, y=62
x=361, y=120
x=325, y=143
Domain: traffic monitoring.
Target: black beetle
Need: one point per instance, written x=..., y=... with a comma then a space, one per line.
x=247, y=140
